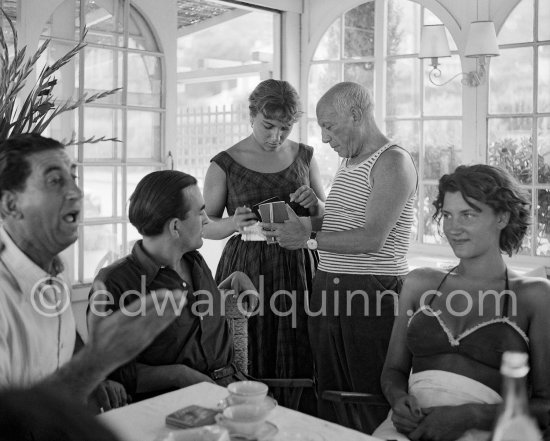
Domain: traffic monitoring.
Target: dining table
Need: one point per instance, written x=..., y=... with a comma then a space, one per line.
x=145, y=420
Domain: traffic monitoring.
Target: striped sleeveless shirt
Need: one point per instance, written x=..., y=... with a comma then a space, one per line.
x=345, y=209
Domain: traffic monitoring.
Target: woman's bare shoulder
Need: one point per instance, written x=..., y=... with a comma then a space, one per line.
x=240, y=147
x=534, y=288
x=422, y=280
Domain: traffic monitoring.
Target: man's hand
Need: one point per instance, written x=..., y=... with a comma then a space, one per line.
x=305, y=196
x=292, y=234
x=443, y=423
x=117, y=337
x=237, y=283
x=108, y=395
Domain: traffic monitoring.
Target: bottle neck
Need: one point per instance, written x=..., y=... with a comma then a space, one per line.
x=514, y=393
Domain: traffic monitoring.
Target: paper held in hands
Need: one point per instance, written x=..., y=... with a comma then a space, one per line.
x=269, y=212
x=273, y=212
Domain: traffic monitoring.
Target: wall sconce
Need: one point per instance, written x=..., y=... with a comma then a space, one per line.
x=481, y=43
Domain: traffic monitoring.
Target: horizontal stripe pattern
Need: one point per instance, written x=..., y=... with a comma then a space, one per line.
x=345, y=210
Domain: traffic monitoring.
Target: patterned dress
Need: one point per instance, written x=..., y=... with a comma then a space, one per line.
x=278, y=344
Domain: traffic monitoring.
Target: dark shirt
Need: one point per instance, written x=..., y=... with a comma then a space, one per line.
x=199, y=338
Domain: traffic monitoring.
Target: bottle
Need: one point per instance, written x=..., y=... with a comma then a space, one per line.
x=514, y=423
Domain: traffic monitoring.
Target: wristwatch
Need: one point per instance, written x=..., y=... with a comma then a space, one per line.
x=312, y=242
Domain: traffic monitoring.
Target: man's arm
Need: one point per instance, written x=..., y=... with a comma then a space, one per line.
x=394, y=180
x=115, y=339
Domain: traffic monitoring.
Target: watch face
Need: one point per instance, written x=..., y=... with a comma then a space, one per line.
x=312, y=244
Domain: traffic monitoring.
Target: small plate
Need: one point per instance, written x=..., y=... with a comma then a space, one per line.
x=266, y=432
x=268, y=401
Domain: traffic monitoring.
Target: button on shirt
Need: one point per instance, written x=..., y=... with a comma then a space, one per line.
x=199, y=338
x=37, y=327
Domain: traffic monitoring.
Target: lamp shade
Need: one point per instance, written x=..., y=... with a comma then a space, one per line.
x=482, y=40
x=433, y=42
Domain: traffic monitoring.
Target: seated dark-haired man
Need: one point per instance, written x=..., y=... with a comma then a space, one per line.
x=40, y=205
x=167, y=209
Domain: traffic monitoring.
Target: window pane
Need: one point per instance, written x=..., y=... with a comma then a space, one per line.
x=359, y=31
x=403, y=27
x=511, y=146
x=327, y=158
x=144, y=80
x=433, y=232
x=143, y=135
x=104, y=22
x=362, y=73
x=100, y=122
x=103, y=71
x=100, y=247
x=64, y=22
x=403, y=86
x=321, y=78
x=511, y=76
x=100, y=190
x=544, y=19
x=329, y=46
x=442, y=147
x=431, y=19
x=447, y=100
x=132, y=236
x=518, y=27
x=407, y=135
x=66, y=86
x=543, y=140
x=139, y=33
x=134, y=174
x=526, y=246
x=543, y=94
x=542, y=214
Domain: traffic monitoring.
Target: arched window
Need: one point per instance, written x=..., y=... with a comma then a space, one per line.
x=380, y=51
x=121, y=52
x=518, y=122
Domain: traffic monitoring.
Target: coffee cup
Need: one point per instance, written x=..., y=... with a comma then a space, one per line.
x=243, y=419
x=249, y=392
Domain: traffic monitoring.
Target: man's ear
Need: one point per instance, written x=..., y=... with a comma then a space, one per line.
x=173, y=228
x=8, y=205
x=356, y=114
x=502, y=219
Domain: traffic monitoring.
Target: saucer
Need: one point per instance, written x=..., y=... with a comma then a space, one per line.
x=266, y=432
x=268, y=402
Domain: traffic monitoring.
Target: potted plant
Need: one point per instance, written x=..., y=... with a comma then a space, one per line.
x=39, y=107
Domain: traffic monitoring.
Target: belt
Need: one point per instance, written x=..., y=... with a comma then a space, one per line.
x=222, y=372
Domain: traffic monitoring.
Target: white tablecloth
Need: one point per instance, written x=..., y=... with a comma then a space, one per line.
x=144, y=421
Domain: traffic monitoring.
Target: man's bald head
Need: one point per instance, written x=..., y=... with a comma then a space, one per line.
x=347, y=95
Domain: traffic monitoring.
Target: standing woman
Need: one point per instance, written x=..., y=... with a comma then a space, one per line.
x=267, y=164
x=441, y=375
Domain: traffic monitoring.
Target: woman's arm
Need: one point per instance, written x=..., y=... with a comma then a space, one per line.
x=215, y=196
x=317, y=186
x=397, y=367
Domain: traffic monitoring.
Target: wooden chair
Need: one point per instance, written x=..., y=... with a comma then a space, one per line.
x=360, y=411
x=239, y=326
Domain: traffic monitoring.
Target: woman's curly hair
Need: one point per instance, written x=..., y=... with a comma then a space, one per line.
x=498, y=189
x=275, y=99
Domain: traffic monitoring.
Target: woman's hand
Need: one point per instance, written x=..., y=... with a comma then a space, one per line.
x=406, y=414
x=305, y=196
x=243, y=217
x=443, y=423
